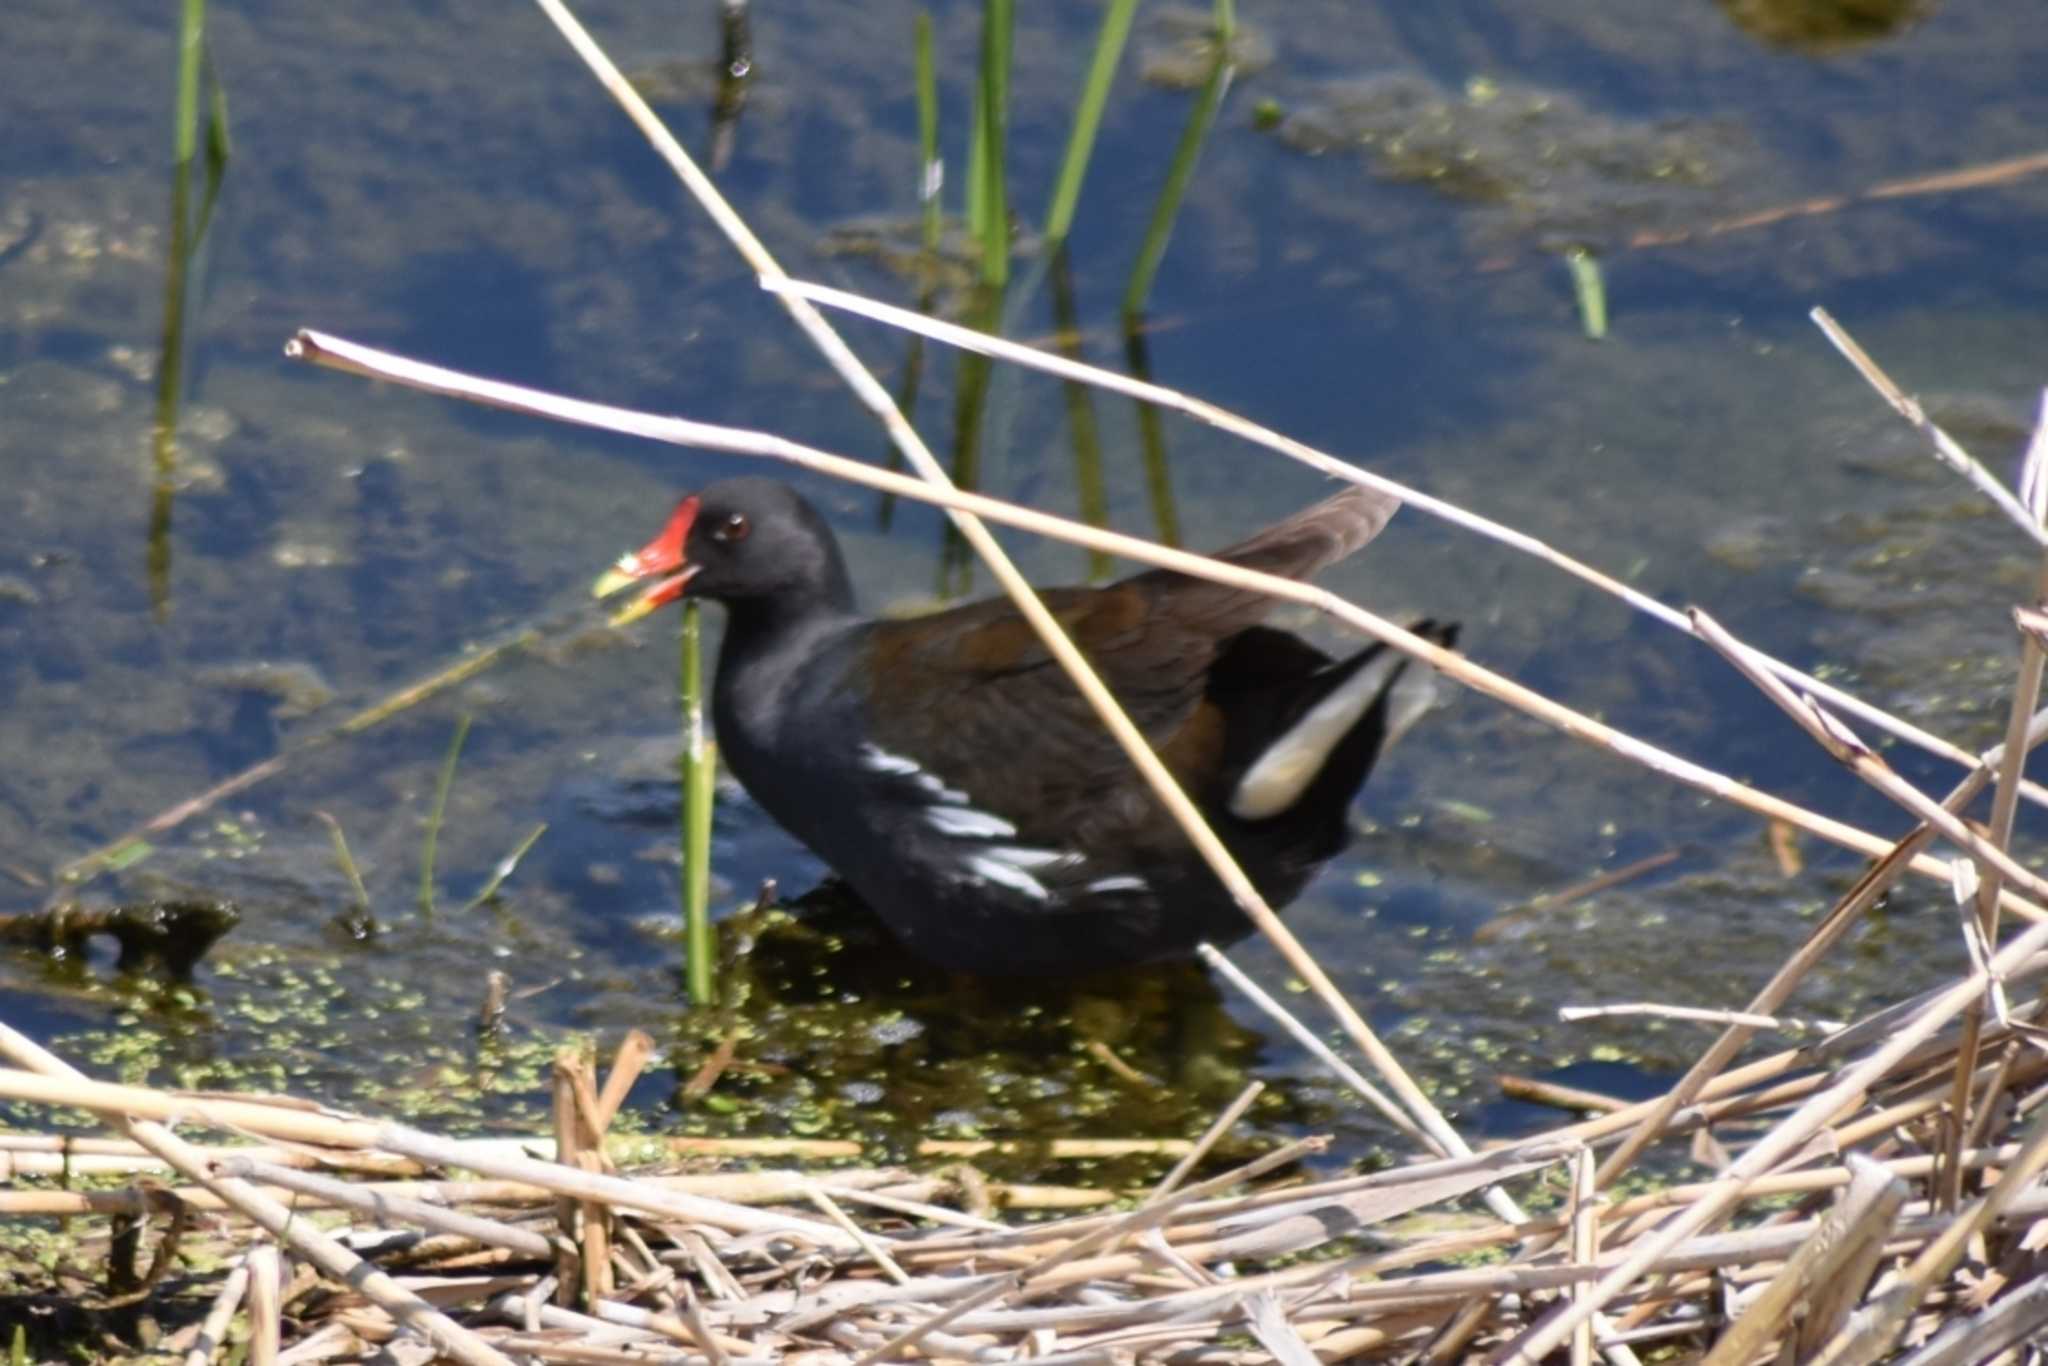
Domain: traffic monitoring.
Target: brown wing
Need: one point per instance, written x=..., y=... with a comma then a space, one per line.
x=982, y=689
x=1299, y=547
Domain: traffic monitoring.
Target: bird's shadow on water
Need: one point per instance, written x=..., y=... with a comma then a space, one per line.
x=829, y=1027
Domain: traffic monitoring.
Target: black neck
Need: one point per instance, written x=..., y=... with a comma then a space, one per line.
x=757, y=624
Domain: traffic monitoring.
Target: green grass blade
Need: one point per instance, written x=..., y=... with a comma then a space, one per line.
x=347, y=861
x=699, y=769
x=505, y=867
x=1590, y=289
x=440, y=808
x=1109, y=48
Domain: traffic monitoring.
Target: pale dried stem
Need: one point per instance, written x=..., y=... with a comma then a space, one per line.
x=266, y=1333
x=1844, y=745
x=213, y=1330
x=1777, y=1024
x=1945, y=447
x=1221, y=1125
x=1322, y=1052
x=982, y=343
x=367, y=361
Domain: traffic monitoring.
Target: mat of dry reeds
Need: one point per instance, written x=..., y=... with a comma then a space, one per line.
x=1878, y=1192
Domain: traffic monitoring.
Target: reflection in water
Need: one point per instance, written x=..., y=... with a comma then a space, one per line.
x=188, y=233
x=1822, y=26
x=973, y=378
x=735, y=65
x=841, y=1032
x=1093, y=497
x=1151, y=437
x=162, y=937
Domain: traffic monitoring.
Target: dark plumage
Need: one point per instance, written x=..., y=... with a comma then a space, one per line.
x=948, y=770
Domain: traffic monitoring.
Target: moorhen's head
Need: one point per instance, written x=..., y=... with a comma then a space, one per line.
x=739, y=541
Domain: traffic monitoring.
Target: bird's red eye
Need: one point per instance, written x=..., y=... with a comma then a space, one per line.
x=734, y=528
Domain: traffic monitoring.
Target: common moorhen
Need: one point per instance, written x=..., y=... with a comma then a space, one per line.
x=949, y=771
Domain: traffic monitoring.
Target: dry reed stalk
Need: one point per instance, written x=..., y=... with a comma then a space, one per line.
x=982, y=343
x=1582, y=1216
x=885, y=1188
x=1221, y=1125
x=213, y=1329
x=1556, y=1096
x=335, y=353
x=1317, y=1049
x=266, y=1305
x=1776, y=1024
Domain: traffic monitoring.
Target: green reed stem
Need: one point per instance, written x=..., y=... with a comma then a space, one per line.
x=434, y=815
x=1109, y=48
x=699, y=769
x=931, y=171
x=992, y=133
x=1160, y=230
x=191, y=49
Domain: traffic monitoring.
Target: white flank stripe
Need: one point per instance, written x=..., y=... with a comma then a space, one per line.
x=1021, y=856
x=965, y=820
x=940, y=791
x=1291, y=763
x=873, y=756
x=1123, y=882
x=1009, y=875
